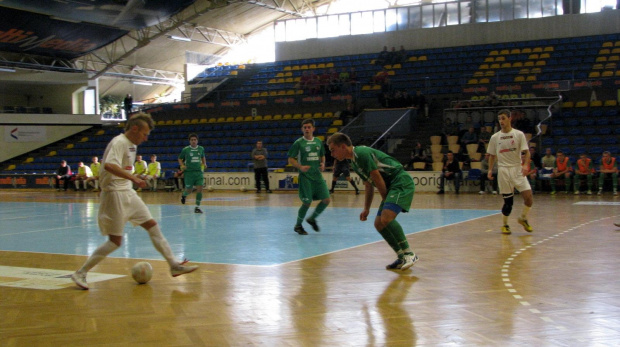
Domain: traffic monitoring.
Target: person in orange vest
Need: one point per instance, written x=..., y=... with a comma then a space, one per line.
x=585, y=167
x=608, y=168
x=562, y=169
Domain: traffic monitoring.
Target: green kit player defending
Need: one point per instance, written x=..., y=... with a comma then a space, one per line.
x=307, y=154
x=192, y=162
x=395, y=185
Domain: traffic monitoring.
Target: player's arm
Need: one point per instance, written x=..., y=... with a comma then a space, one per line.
x=322, y=163
x=294, y=163
x=369, y=194
x=377, y=179
x=525, y=166
x=120, y=172
x=181, y=162
x=491, y=166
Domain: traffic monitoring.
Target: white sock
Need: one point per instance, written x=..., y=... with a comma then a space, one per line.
x=526, y=210
x=98, y=255
x=96, y=184
x=162, y=245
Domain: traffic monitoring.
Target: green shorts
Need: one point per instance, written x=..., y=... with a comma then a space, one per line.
x=193, y=178
x=400, y=195
x=310, y=190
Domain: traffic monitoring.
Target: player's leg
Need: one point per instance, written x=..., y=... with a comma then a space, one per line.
x=567, y=182
x=305, y=195
x=614, y=180
x=357, y=191
x=111, y=220
x=77, y=184
x=507, y=190
x=319, y=192
x=198, y=183
x=189, y=185
x=589, y=178
x=265, y=174
x=528, y=200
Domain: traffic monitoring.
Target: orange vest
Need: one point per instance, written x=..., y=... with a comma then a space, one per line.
x=609, y=165
x=562, y=166
x=584, y=164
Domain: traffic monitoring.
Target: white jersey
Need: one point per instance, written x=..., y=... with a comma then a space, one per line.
x=508, y=147
x=122, y=152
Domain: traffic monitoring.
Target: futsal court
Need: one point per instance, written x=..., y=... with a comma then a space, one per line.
x=261, y=284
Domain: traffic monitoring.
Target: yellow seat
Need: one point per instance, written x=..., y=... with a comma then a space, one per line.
x=320, y=66
x=230, y=119
x=597, y=67
x=277, y=117
x=544, y=56
x=524, y=71
x=519, y=79
x=548, y=49
x=438, y=165
x=495, y=66
x=506, y=65
x=610, y=103
x=533, y=56
x=541, y=63
x=436, y=148
x=504, y=52
x=177, y=122
x=255, y=95
x=273, y=93
x=526, y=50
x=489, y=73
x=568, y=104
x=613, y=58
x=422, y=58
x=535, y=70
x=453, y=140
x=287, y=68
x=297, y=116
x=264, y=93
x=596, y=103
x=295, y=68
x=280, y=74
x=307, y=115
x=530, y=78
x=290, y=92
x=337, y=122
x=484, y=81
x=608, y=44
x=607, y=73
x=489, y=60
x=515, y=51
x=273, y=80
x=221, y=119
x=484, y=67
x=420, y=165
x=500, y=59
x=185, y=121
x=610, y=66
x=582, y=103
x=435, y=140
x=257, y=118
x=594, y=74
x=494, y=53
x=328, y=115
x=329, y=65
x=267, y=117
x=312, y=66
x=537, y=50
x=332, y=130
x=604, y=51
x=412, y=59
x=194, y=121
x=601, y=59
x=239, y=119
x=317, y=115
x=517, y=64
x=472, y=81
x=212, y=120
x=478, y=74
x=247, y=118
x=528, y=63
x=287, y=116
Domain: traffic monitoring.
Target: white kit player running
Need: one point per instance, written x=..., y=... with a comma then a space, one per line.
x=121, y=204
x=506, y=147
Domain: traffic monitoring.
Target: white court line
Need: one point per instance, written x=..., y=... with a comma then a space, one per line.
x=506, y=268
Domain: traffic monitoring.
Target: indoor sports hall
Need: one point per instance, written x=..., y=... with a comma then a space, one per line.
x=260, y=283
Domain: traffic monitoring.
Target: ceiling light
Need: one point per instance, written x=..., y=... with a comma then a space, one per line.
x=180, y=38
x=142, y=83
x=3, y=69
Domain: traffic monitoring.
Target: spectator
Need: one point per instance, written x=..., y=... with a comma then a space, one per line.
x=548, y=161
x=343, y=80
x=535, y=157
x=63, y=173
x=348, y=114
x=259, y=157
x=178, y=180
x=562, y=169
x=469, y=137
x=401, y=55
x=463, y=128
x=139, y=169
x=153, y=172
x=484, y=173
x=419, y=154
x=82, y=175
x=128, y=105
x=609, y=168
x=381, y=78
x=449, y=129
x=451, y=171
x=585, y=167
x=352, y=79
x=94, y=179
x=383, y=57
x=483, y=139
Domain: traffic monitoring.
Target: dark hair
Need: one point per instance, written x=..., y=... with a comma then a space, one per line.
x=308, y=121
x=192, y=135
x=505, y=112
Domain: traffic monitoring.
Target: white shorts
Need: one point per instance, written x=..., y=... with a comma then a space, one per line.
x=509, y=178
x=119, y=207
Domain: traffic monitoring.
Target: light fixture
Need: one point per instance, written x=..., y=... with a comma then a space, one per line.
x=142, y=83
x=4, y=69
x=180, y=38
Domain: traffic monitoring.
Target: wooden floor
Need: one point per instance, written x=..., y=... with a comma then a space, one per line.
x=558, y=286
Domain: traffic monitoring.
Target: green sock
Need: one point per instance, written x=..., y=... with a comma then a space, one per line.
x=198, y=198
x=389, y=238
x=301, y=214
x=399, y=235
x=319, y=209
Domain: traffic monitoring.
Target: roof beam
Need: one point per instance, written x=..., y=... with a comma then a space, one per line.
x=210, y=35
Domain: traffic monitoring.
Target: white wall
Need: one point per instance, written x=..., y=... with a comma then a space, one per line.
x=606, y=22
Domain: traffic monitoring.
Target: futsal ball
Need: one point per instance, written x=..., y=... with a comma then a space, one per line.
x=210, y=188
x=142, y=272
x=243, y=189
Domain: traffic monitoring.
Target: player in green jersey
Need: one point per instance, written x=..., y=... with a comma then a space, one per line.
x=396, y=187
x=192, y=162
x=307, y=155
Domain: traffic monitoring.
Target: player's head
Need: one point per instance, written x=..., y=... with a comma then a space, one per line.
x=139, y=127
x=63, y=163
x=95, y=159
x=583, y=155
x=153, y=157
x=559, y=154
x=339, y=145
x=80, y=164
x=193, y=139
x=307, y=126
x=259, y=144
x=450, y=155
x=606, y=154
x=504, y=118
x=138, y=157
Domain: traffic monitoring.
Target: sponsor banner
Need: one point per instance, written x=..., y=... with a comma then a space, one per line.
x=23, y=133
x=27, y=32
x=44, y=279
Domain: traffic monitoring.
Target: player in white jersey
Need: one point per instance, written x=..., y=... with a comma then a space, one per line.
x=506, y=147
x=120, y=204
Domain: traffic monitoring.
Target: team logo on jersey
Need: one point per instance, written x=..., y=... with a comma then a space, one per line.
x=308, y=149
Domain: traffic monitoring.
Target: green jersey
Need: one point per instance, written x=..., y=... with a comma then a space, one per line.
x=309, y=152
x=366, y=159
x=192, y=157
